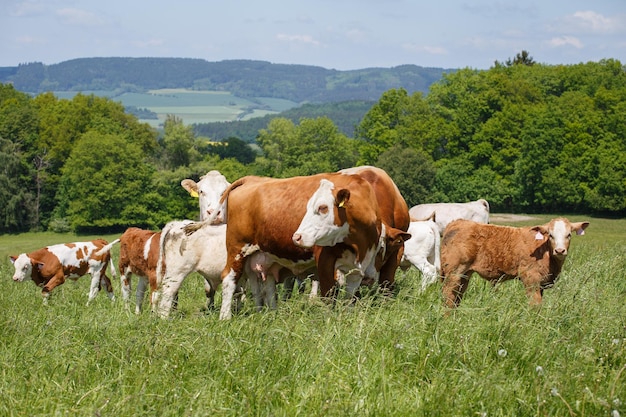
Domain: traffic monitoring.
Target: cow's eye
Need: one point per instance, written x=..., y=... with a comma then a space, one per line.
x=323, y=209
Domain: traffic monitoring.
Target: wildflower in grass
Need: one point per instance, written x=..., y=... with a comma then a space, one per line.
x=554, y=392
x=399, y=346
x=615, y=413
x=539, y=370
x=502, y=353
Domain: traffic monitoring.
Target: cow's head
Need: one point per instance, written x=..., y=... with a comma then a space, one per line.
x=559, y=233
x=23, y=267
x=209, y=190
x=324, y=223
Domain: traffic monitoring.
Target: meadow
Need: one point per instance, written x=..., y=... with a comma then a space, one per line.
x=398, y=356
x=193, y=106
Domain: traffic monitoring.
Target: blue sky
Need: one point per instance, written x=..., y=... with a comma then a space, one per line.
x=339, y=34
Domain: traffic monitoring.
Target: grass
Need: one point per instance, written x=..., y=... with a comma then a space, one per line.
x=494, y=356
x=194, y=106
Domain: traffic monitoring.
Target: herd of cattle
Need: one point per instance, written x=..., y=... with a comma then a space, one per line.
x=347, y=228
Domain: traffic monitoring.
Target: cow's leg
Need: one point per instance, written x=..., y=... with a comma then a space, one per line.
x=125, y=277
x=54, y=282
x=428, y=270
x=209, y=291
x=325, y=261
x=454, y=286
x=532, y=285
x=229, y=285
x=95, y=286
x=315, y=287
x=269, y=292
x=106, y=282
x=142, y=285
x=168, y=294
x=288, y=282
x=352, y=282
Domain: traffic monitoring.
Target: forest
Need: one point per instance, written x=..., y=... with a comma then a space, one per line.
x=527, y=137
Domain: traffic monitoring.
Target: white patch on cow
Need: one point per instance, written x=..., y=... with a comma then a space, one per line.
x=560, y=235
x=146, y=248
x=68, y=255
x=318, y=225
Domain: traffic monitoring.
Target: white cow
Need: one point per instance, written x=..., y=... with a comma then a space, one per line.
x=202, y=251
x=477, y=211
x=422, y=250
x=209, y=190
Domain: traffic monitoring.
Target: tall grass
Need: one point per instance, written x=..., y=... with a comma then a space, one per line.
x=494, y=356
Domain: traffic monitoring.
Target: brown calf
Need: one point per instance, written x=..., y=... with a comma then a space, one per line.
x=535, y=255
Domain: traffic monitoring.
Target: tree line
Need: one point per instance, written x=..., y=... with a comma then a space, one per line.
x=527, y=137
x=242, y=78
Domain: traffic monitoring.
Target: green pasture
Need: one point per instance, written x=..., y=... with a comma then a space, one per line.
x=384, y=356
x=194, y=106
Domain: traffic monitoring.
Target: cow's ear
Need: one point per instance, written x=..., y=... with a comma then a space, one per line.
x=540, y=232
x=580, y=227
x=190, y=186
x=13, y=258
x=343, y=196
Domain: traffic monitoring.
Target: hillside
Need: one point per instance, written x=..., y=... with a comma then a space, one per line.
x=242, y=78
x=345, y=115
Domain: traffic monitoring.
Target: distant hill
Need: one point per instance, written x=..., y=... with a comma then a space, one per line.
x=242, y=78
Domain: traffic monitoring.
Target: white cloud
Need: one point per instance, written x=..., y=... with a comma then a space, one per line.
x=566, y=41
x=303, y=39
x=79, y=17
x=30, y=40
x=593, y=22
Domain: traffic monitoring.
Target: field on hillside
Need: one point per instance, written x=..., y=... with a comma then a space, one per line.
x=494, y=356
x=194, y=106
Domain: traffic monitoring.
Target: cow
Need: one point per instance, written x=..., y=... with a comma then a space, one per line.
x=477, y=211
x=139, y=254
x=187, y=247
x=208, y=190
x=422, y=250
x=535, y=255
x=50, y=266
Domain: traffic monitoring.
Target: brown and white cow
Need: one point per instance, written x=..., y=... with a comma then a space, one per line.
x=264, y=214
x=535, y=255
x=477, y=211
x=208, y=190
x=49, y=267
x=139, y=254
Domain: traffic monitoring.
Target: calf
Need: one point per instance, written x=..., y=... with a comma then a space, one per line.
x=422, y=250
x=50, y=266
x=139, y=254
x=188, y=247
x=535, y=255
x=477, y=211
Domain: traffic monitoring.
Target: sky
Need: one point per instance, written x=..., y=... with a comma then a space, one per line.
x=334, y=34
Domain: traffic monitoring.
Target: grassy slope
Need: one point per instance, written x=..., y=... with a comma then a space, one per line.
x=494, y=356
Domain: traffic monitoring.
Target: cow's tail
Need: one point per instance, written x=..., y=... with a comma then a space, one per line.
x=104, y=250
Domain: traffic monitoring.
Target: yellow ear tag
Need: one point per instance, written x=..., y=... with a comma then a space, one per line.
x=194, y=194
x=340, y=205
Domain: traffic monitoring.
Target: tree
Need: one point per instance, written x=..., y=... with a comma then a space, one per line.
x=105, y=185
x=412, y=171
x=179, y=141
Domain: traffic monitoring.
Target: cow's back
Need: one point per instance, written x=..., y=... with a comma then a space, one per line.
x=490, y=250
x=133, y=251
x=394, y=210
